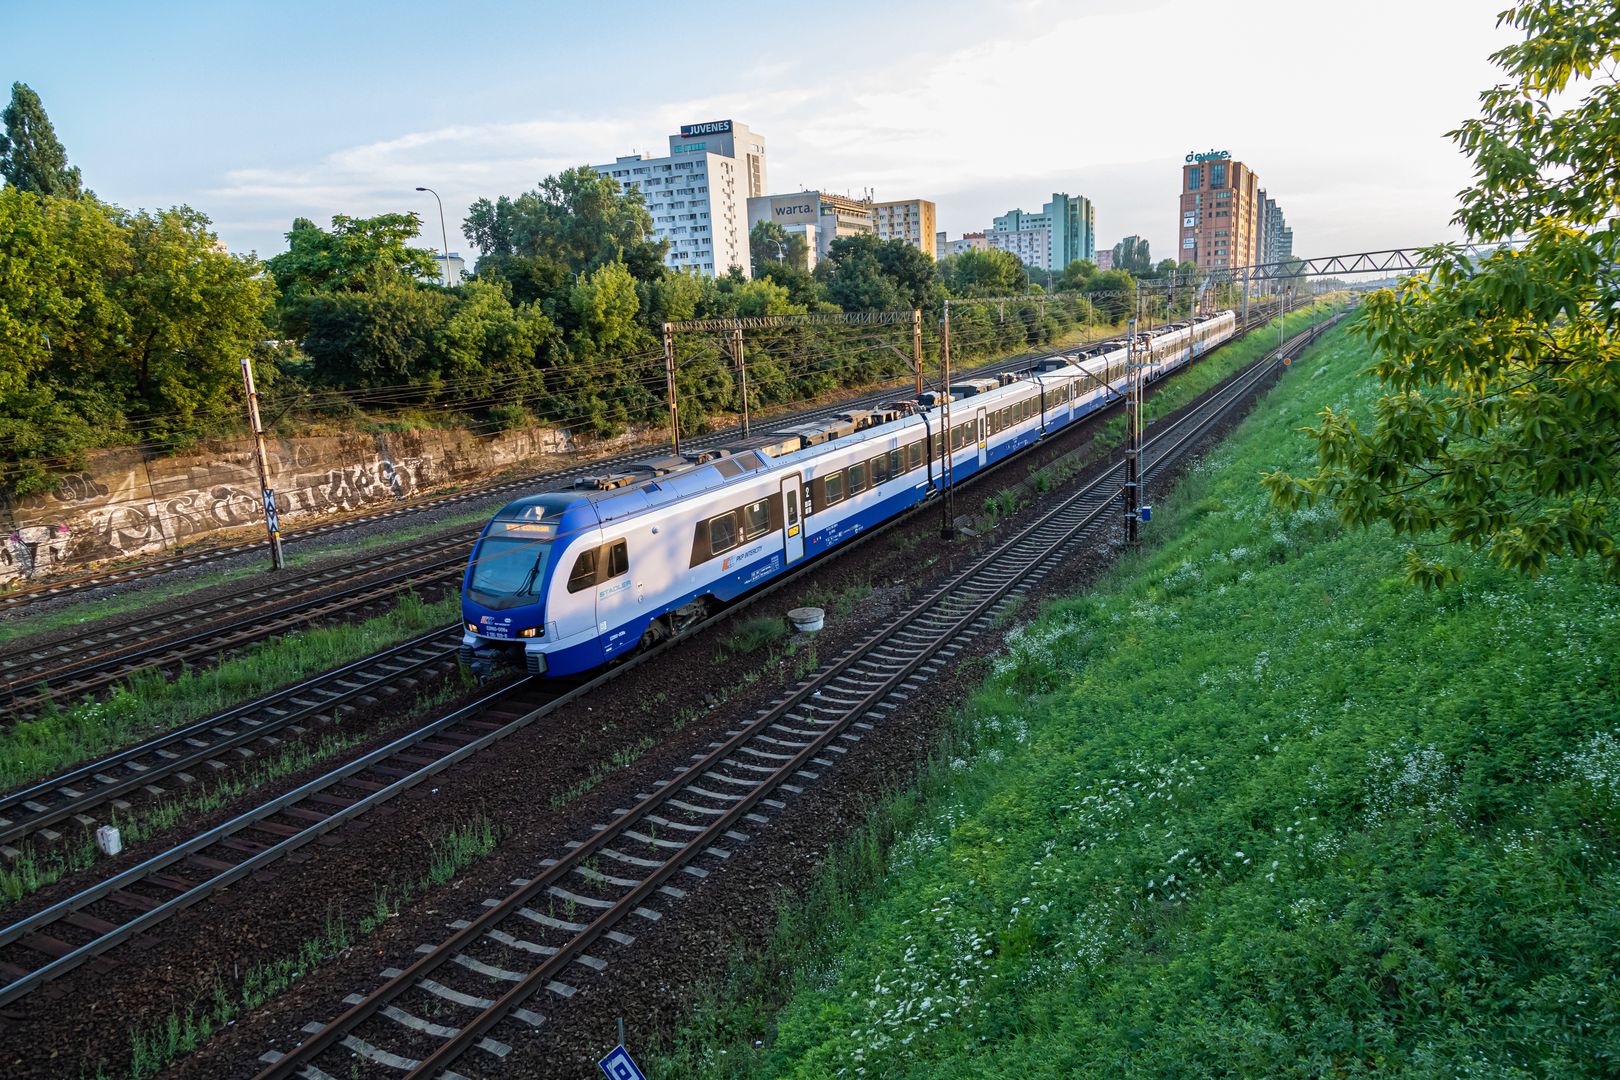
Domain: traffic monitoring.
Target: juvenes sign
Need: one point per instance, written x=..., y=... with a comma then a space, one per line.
x=713, y=127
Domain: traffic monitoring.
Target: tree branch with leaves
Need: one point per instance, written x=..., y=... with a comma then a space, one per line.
x=1500, y=417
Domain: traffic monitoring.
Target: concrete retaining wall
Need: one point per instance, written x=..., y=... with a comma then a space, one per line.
x=126, y=504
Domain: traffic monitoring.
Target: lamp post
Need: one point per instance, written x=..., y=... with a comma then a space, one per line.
x=444, y=234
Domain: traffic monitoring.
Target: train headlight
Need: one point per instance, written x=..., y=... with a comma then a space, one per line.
x=530, y=632
x=471, y=629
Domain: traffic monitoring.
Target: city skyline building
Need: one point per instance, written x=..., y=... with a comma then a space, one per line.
x=831, y=216
x=698, y=194
x=1218, y=211
x=969, y=241
x=1064, y=230
x=911, y=220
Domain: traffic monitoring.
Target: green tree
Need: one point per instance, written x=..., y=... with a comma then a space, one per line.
x=579, y=218
x=386, y=333
x=1131, y=255
x=1076, y=276
x=1499, y=426
x=31, y=156
x=1113, y=294
x=193, y=313
x=853, y=276
x=769, y=243
x=351, y=256
x=992, y=272
x=114, y=323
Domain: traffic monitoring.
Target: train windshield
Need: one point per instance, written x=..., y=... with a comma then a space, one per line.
x=508, y=571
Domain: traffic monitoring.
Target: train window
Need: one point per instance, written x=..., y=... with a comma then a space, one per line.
x=756, y=519
x=857, y=478
x=880, y=469
x=618, y=559
x=723, y=532
x=914, y=456
x=835, y=488
x=897, y=462
x=584, y=573
x=1006, y=417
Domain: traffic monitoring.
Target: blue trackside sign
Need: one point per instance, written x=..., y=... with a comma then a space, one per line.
x=618, y=1066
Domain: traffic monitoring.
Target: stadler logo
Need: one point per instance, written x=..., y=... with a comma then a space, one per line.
x=1208, y=155
x=713, y=127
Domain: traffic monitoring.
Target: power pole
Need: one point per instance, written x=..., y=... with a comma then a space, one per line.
x=272, y=521
x=947, y=528
x=669, y=387
x=1130, y=493
x=916, y=347
x=742, y=370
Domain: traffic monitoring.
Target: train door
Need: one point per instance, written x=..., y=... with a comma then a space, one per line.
x=618, y=598
x=984, y=454
x=792, y=521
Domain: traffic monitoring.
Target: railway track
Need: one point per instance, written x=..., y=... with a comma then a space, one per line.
x=32, y=676
x=18, y=599
x=170, y=763
x=615, y=874
x=51, y=942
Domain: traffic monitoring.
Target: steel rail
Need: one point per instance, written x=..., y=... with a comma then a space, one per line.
x=140, y=634
x=74, y=794
x=27, y=932
x=948, y=615
x=27, y=696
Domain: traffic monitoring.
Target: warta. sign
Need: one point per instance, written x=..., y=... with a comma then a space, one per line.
x=713, y=127
x=1207, y=155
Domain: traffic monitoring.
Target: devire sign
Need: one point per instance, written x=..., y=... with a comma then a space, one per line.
x=1207, y=155
x=713, y=127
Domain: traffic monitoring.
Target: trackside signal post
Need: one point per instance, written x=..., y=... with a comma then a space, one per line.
x=272, y=522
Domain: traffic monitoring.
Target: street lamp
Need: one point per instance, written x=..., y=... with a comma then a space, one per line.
x=443, y=234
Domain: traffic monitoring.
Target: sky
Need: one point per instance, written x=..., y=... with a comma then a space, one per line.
x=259, y=113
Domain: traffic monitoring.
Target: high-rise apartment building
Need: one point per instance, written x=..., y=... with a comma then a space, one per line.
x=911, y=220
x=1276, y=242
x=698, y=194
x=1064, y=230
x=1218, y=225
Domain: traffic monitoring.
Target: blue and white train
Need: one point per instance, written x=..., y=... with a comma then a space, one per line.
x=577, y=578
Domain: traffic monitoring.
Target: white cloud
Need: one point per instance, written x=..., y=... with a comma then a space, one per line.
x=1340, y=111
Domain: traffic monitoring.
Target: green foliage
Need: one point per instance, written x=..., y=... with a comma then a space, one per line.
x=1501, y=413
x=578, y=218
x=115, y=322
x=1131, y=255
x=355, y=255
x=984, y=273
x=1253, y=808
x=769, y=243
x=31, y=156
x=752, y=635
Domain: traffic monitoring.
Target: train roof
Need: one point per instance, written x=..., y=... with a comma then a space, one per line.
x=657, y=481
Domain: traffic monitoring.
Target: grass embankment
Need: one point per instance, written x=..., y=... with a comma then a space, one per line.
x=1254, y=807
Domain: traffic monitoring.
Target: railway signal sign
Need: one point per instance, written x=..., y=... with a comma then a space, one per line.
x=618, y=1066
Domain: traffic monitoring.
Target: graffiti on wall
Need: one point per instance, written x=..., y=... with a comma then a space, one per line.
x=131, y=506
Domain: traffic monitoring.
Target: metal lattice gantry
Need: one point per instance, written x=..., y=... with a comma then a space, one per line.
x=1388, y=261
